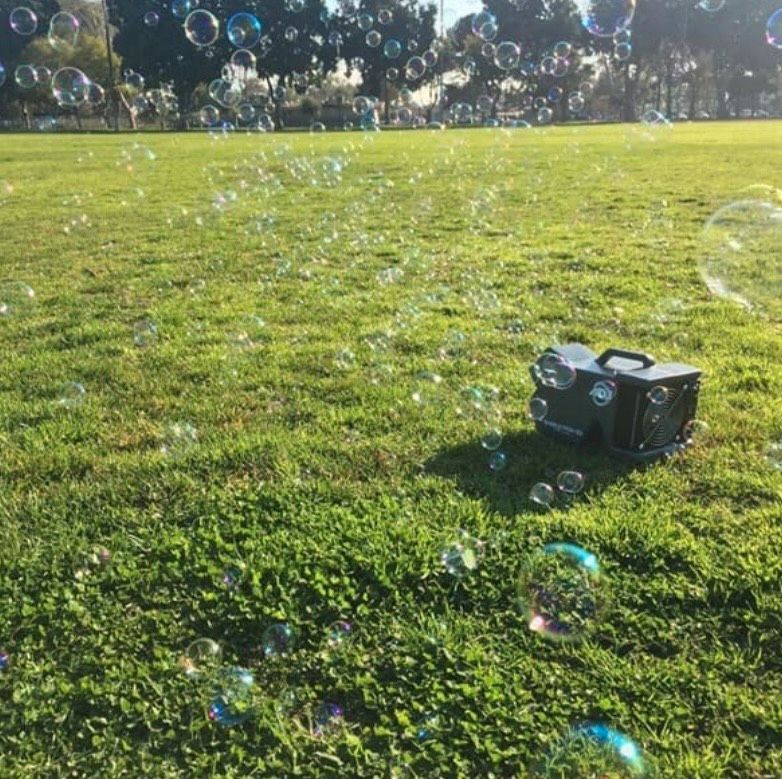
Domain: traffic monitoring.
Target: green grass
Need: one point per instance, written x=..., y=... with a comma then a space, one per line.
x=333, y=491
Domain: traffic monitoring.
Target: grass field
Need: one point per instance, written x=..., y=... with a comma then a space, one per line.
x=304, y=289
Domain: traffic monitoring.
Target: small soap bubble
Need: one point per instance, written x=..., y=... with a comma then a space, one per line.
x=571, y=482
x=538, y=408
x=5, y=660
x=594, y=750
x=427, y=726
x=338, y=634
x=15, y=297
x=542, y=494
x=278, y=639
x=553, y=370
x=658, y=395
x=461, y=556
x=498, y=461
x=71, y=394
x=144, y=333
x=233, y=698
x=561, y=591
x=327, y=719
x=202, y=657
x=491, y=440
x=178, y=438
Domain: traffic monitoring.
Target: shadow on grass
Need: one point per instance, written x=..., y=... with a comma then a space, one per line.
x=530, y=458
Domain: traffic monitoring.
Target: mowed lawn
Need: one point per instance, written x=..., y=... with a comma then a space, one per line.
x=308, y=292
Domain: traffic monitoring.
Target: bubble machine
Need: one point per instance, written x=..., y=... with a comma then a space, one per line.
x=637, y=409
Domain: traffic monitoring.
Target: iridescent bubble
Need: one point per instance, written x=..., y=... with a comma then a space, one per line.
x=278, y=639
x=543, y=494
x=415, y=68
x=232, y=576
x=5, y=660
x=602, y=18
x=202, y=27
x=739, y=255
x=144, y=333
x=774, y=29
x=491, y=440
x=654, y=119
x=70, y=87
x=209, y=115
x=385, y=16
x=181, y=8
x=338, y=634
x=594, y=750
x=151, y=19
x=295, y=6
x=364, y=22
x=576, y=102
x=291, y=34
x=71, y=394
x=562, y=49
x=178, y=439
x=42, y=74
x=16, y=298
x=482, y=23
x=570, y=482
x=25, y=76
x=553, y=370
x=201, y=658
x=461, y=556
x=623, y=51
x=373, y=39
x=427, y=726
x=23, y=21
x=327, y=719
x=498, y=461
x=538, y=409
x=134, y=80
x=430, y=58
x=244, y=30
x=335, y=38
x=392, y=49
x=243, y=59
x=623, y=36
x=233, y=700
x=545, y=115
x=506, y=55
x=561, y=591
x=711, y=6
x=3, y=74
x=63, y=30
x=555, y=94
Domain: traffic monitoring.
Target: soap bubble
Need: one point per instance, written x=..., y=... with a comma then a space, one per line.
x=23, y=21
x=498, y=461
x=602, y=18
x=385, y=16
x=151, y=19
x=25, y=76
x=233, y=697
x=244, y=30
x=373, y=39
x=364, y=21
x=538, y=408
x=3, y=74
x=542, y=494
x=209, y=115
x=594, y=750
x=71, y=394
x=181, y=8
x=562, y=49
x=545, y=115
x=327, y=719
x=576, y=102
x=492, y=439
x=291, y=34
x=739, y=255
x=202, y=28
x=63, y=30
x=561, y=591
x=243, y=59
x=144, y=333
x=570, y=482
x=774, y=29
x=335, y=38
x=506, y=55
x=278, y=639
x=178, y=439
x=70, y=87
x=461, y=556
x=392, y=49
x=553, y=370
x=711, y=6
x=15, y=297
x=338, y=634
x=623, y=51
x=201, y=658
x=5, y=660
x=43, y=75
x=415, y=68
x=427, y=726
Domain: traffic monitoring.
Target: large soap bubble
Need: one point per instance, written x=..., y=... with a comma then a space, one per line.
x=63, y=31
x=70, y=87
x=244, y=30
x=202, y=28
x=739, y=254
x=604, y=18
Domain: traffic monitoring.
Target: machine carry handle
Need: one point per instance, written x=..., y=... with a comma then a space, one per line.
x=646, y=360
